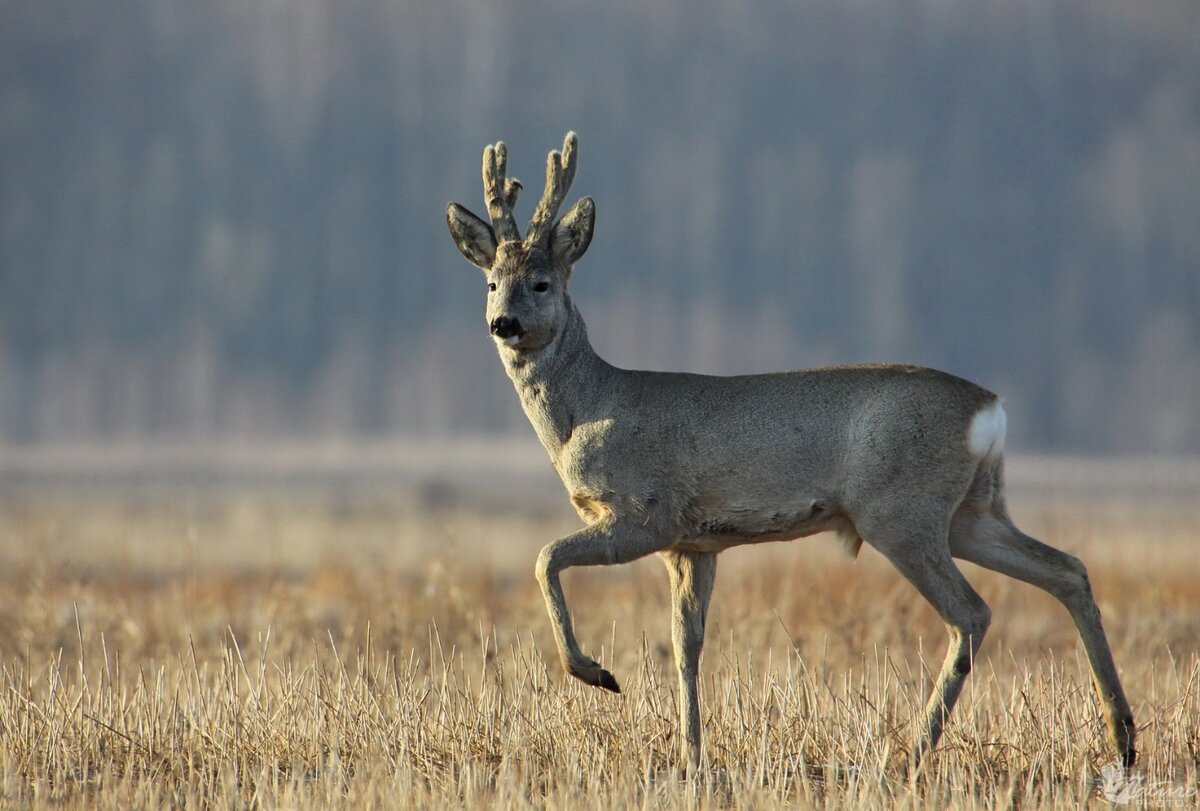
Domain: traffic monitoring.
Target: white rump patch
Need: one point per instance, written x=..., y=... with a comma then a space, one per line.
x=985, y=438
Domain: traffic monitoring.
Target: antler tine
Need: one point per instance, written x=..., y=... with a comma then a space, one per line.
x=497, y=192
x=560, y=171
x=512, y=187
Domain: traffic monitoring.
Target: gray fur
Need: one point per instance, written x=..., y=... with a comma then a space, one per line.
x=687, y=465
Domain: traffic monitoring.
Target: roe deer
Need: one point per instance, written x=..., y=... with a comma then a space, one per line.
x=908, y=459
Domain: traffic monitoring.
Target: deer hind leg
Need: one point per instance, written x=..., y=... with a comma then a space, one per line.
x=692, y=575
x=602, y=544
x=923, y=557
x=990, y=539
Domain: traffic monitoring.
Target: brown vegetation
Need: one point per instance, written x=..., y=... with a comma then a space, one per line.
x=319, y=649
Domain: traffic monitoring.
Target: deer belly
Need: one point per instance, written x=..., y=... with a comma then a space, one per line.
x=739, y=526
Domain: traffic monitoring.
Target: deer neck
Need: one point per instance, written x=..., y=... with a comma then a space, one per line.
x=560, y=385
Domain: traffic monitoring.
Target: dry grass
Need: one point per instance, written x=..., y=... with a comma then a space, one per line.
x=317, y=648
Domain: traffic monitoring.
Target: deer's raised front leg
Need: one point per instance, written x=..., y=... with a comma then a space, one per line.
x=604, y=543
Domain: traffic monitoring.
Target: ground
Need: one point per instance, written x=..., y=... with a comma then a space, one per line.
x=368, y=642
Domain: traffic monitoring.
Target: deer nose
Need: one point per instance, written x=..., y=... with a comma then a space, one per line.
x=504, y=327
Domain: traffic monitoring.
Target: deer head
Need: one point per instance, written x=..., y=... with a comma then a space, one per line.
x=527, y=278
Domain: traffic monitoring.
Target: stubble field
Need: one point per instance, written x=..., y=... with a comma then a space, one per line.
x=379, y=642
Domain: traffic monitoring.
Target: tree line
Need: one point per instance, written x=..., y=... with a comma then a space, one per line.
x=224, y=220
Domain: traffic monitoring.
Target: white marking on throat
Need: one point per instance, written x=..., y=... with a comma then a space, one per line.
x=985, y=437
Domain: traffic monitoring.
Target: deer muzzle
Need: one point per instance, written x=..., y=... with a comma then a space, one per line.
x=505, y=328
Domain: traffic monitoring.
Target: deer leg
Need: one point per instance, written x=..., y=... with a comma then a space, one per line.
x=601, y=544
x=995, y=543
x=924, y=559
x=692, y=575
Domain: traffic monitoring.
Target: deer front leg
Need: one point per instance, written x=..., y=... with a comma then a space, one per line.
x=602, y=544
x=692, y=575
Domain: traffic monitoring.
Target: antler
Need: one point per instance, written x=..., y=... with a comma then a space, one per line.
x=560, y=171
x=500, y=193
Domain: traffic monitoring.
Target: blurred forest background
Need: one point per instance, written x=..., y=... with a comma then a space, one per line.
x=222, y=221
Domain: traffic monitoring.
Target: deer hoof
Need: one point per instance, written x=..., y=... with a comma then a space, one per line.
x=607, y=681
x=593, y=674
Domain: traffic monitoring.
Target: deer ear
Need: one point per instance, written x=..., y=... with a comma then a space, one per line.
x=474, y=237
x=573, y=233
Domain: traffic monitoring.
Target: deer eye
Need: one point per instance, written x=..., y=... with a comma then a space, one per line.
x=491, y=287
x=541, y=287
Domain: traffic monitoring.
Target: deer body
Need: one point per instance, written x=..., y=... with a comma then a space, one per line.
x=722, y=461
x=907, y=459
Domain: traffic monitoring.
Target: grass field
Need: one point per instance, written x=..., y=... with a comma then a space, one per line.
x=376, y=644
